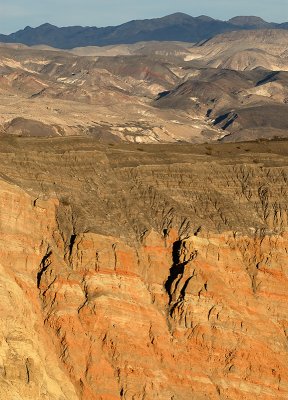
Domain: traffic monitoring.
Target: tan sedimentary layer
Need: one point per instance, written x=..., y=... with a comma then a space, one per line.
x=87, y=315
x=28, y=367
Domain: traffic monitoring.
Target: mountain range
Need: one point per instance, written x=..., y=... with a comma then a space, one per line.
x=174, y=27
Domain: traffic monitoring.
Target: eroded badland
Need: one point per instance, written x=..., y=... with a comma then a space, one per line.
x=143, y=272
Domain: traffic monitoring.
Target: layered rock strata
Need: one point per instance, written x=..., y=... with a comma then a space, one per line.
x=152, y=274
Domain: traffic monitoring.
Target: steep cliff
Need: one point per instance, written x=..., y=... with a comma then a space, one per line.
x=152, y=272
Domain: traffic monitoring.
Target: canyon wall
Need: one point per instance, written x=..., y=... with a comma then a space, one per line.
x=130, y=274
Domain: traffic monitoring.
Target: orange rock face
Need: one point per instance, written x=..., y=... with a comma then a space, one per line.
x=89, y=316
x=203, y=317
x=28, y=367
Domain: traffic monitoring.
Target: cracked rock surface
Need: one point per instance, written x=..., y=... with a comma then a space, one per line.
x=143, y=272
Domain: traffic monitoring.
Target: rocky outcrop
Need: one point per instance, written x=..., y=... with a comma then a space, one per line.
x=28, y=367
x=181, y=310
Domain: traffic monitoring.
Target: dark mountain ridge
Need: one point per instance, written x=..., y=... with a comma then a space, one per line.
x=174, y=27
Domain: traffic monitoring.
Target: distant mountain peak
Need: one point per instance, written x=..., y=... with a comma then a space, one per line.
x=178, y=16
x=205, y=18
x=47, y=25
x=249, y=20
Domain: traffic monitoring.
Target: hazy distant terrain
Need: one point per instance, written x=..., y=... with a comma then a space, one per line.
x=231, y=87
x=174, y=27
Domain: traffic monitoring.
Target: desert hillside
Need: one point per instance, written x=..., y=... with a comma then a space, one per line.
x=232, y=87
